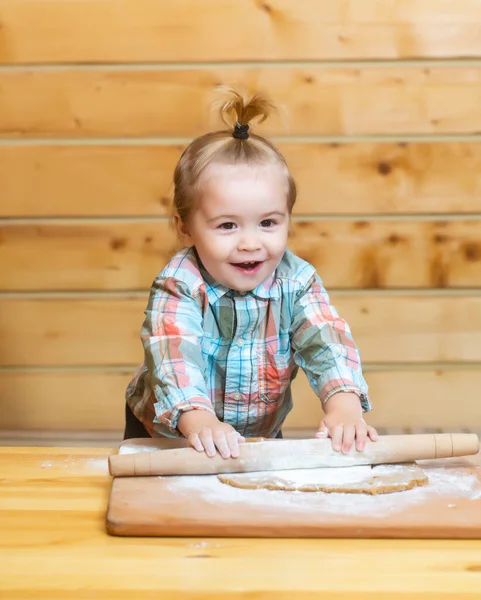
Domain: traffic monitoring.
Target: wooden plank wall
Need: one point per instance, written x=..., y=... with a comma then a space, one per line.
x=97, y=101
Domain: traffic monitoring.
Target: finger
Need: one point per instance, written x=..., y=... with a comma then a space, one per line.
x=372, y=433
x=361, y=433
x=206, y=438
x=336, y=435
x=348, y=436
x=241, y=439
x=221, y=444
x=323, y=431
x=233, y=442
x=195, y=442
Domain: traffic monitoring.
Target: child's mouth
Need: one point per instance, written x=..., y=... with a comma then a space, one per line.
x=248, y=266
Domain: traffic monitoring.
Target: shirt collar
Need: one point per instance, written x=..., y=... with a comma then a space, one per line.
x=269, y=288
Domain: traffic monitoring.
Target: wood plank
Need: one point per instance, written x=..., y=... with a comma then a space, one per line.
x=388, y=328
x=24, y=438
x=64, y=399
x=43, y=31
x=126, y=102
x=71, y=331
x=363, y=178
x=414, y=399
x=126, y=255
x=94, y=400
x=103, y=255
x=87, y=180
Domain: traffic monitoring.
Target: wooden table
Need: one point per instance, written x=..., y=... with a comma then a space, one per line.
x=53, y=546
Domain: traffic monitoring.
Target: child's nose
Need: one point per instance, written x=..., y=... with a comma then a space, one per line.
x=249, y=242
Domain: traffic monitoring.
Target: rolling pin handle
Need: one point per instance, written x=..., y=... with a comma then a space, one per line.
x=462, y=445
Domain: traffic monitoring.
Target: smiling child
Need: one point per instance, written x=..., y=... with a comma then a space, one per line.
x=234, y=314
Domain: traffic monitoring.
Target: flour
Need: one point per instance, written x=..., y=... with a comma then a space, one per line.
x=131, y=449
x=71, y=462
x=97, y=463
x=204, y=545
x=442, y=482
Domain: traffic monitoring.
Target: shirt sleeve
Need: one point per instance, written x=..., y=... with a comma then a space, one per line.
x=324, y=347
x=171, y=335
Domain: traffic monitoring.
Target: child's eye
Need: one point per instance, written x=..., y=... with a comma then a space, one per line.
x=227, y=226
x=268, y=223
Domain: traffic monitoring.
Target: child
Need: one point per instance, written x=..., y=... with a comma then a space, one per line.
x=234, y=314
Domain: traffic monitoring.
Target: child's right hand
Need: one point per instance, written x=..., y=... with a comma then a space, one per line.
x=205, y=432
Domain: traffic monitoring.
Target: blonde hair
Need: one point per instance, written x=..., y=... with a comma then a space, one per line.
x=220, y=147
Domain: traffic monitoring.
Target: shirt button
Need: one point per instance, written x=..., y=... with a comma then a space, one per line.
x=240, y=342
x=237, y=396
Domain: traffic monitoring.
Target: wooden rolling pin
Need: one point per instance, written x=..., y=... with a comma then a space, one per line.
x=294, y=454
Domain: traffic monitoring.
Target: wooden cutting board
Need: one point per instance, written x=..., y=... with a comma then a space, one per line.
x=448, y=507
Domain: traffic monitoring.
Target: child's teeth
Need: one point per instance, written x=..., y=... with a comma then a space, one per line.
x=249, y=263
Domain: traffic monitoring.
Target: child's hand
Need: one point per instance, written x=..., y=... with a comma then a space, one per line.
x=205, y=432
x=343, y=423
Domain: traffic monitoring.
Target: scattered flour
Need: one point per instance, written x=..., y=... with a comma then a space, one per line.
x=442, y=482
x=71, y=462
x=131, y=449
x=204, y=545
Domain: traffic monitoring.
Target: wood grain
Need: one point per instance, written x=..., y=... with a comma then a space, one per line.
x=98, y=255
x=60, y=541
x=93, y=400
x=388, y=328
x=45, y=31
x=106, y=180
x=315, y=101
x=70, y=400
x=430, y=398
x=126, y=255
x=67, y=332
x=362, y=178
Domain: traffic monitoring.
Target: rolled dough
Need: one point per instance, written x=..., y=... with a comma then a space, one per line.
x=377, y=479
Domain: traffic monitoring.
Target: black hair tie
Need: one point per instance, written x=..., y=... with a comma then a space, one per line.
x=241, y=132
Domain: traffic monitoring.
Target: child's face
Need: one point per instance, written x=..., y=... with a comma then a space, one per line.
x=240, y=224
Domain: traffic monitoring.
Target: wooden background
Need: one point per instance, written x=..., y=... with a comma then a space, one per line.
x=382, y=132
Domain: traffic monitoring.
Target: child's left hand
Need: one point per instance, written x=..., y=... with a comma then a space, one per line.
x=343, y=423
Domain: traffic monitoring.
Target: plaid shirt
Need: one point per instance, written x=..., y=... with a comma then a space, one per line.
x=235, y=354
